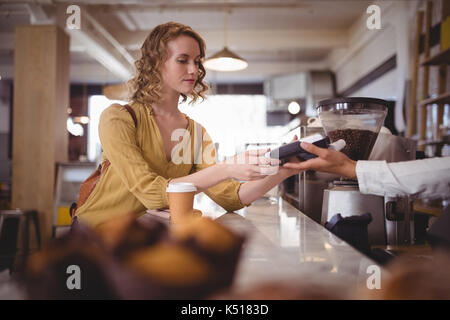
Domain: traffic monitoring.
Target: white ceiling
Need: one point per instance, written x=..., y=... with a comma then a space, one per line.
x=275, y=36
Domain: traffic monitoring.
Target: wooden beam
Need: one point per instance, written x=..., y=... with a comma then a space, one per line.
x=100, y=44
x=38, y=15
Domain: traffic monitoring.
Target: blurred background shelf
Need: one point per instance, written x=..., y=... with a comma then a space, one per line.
x=430, y=108
x=434, y=142
x=442, y=57
x=442, y=98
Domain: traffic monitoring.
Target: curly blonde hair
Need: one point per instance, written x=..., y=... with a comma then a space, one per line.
x=146, y=86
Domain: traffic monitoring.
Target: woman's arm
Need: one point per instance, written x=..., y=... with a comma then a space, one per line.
x=206, y=178
x=261, y=174
x=252, y=190
x=249, y=191
x=246, y=166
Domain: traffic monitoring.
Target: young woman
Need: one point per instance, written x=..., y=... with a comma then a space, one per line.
x=141, y=155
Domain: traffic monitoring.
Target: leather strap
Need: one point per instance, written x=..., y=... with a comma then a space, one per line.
x=133, y=115
x=89, y=184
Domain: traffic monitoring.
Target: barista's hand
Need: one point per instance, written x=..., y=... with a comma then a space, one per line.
x=287, y=171
x=251, y=165
x=327, y=161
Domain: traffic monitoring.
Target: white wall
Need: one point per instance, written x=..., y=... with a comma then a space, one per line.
x=362, y=61
x=368, y=49
x=382, y=88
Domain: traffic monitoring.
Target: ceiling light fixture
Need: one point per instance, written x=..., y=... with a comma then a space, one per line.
x=75, y=129
x=225, y=60
x=82, y=120
x=293, y=107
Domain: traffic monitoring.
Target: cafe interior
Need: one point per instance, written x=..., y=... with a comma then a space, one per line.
x=276, y=69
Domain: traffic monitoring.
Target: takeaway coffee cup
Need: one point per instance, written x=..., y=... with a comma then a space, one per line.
x=181, y=200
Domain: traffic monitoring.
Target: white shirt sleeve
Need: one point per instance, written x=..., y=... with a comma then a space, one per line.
x=427, y=178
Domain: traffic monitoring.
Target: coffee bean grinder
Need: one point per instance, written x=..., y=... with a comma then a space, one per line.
x=358, y=122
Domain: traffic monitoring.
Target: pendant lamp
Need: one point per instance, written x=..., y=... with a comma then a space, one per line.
x=225, y=60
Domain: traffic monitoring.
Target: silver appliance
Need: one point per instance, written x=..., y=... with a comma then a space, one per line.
x=348, y=201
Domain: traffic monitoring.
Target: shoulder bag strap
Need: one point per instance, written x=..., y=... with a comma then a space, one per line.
x=131, y=112
x=89, y=184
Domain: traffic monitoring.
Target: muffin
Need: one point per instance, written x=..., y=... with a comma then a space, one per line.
x=47, y=272
x=170, y=264
x=207, y=234
x=113, y=230
x=125, y=234
x=128, y=259
x=216, y=243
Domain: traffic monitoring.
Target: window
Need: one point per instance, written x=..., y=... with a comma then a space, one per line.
x=235, y=122
x=96, y=106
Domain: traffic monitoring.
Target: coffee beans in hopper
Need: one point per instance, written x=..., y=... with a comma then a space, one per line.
x=359, y=143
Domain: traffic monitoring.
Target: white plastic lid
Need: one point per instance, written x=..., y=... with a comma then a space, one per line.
x=338, y=145
x=181, y=187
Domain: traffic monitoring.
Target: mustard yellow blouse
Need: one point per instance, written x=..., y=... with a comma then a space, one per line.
x=139, y=172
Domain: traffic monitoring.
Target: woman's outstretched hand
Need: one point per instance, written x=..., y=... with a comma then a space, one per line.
x=327, y=161
x=288, y=171
x=251, y=165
